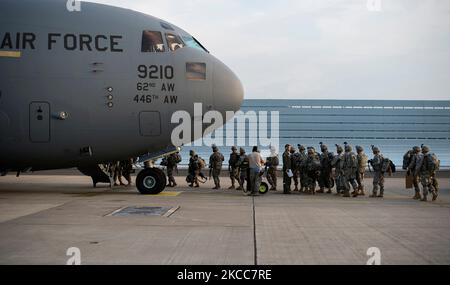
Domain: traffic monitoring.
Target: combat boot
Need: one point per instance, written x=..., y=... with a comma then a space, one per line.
x=424, y=198
x=346, y=194
x=296, y=188
x=435, y=195
x=381, y=193
x=320, y=191
x=240, y=188
x=374, y=194
x=231, y=187
x=417, y=196
x=329, y=191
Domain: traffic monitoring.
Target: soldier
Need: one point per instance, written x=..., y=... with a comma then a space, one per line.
x=272, y=165
x=295, y=158
x=233, y=168
x=350, y=170
x=172, y=165
x=215, y=165
x=378, y=176
x=326, y=158
x=287, y=169
x=243, y=167
x=125, y=170
x=412, y=169
x=301, y=163
x=312, y=166
x=338, y=165
x=427, y=166
x=193, y=169
x=362, y=162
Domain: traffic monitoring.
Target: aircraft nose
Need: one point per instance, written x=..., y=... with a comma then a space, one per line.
x=228, y=91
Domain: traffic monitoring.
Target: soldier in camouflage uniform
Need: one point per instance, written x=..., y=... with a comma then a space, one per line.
x=194, y=169
x=272, y=163
x=295, y=157
x=172, y=162
x=378, y=175
x=412, y=169
x=338, y=165
x=325, y=169
x=233, y=168
x=215, y=165
x=362, y=162
x=302, y=162
x=242, y=164
x=350, y=170
x=427, y=166
x=286, y=168
x=312, y=166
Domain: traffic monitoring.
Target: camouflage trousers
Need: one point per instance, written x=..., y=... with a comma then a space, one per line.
x=272, y=177
x=234, y=175
x=295, y=177
x=242, y=177
x=350, y=182
x=378, y=182
x=170, y=178
x=340, y=183
x=360, y=181
x=429, y=184
x=416, y=183
x=303, y=178
x=325, y=180
x=216, y=176
x=310, y=181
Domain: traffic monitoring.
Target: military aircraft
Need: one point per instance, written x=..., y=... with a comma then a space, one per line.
x=83, y=88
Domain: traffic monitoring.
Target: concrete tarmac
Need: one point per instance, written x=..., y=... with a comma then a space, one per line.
x=41, y=216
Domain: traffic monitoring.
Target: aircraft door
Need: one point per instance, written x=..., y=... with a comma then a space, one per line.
x=39, y=122
x=150, y=124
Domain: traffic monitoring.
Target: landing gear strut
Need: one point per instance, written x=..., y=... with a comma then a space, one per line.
x=151, y=181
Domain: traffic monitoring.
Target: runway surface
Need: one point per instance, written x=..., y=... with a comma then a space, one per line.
x=41, y=216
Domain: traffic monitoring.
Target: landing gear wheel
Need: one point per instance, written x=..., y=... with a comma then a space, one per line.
x=263, y=188
x=151, y=181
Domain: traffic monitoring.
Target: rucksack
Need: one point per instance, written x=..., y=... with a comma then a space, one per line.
x=201, y=163
x=432, y=163
x=177, y=157
x=388, y=166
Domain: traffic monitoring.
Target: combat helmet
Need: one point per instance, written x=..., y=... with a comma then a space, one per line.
x=301, y=147
x=339, y=148
x=359, y=148
x=416, y=149
x=215, y=148
x=242, y=150
x=234, y=148
x=323, y=147
x=375, y=149
x=425, y=149
x=348, y=148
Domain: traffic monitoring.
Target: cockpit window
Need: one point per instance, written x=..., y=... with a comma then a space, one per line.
x=166, y=26
x=174, y=42
x=195, y=71
x=152, y=42
x=192, y=42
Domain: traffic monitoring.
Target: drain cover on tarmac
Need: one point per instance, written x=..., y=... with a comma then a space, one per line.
x=145, y=211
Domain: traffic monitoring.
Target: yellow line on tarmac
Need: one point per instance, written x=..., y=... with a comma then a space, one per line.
x=15, y=54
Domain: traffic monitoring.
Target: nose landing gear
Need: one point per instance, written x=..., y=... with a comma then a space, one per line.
x=151, y=181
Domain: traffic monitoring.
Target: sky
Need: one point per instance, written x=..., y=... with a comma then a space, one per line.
x=317, y=49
